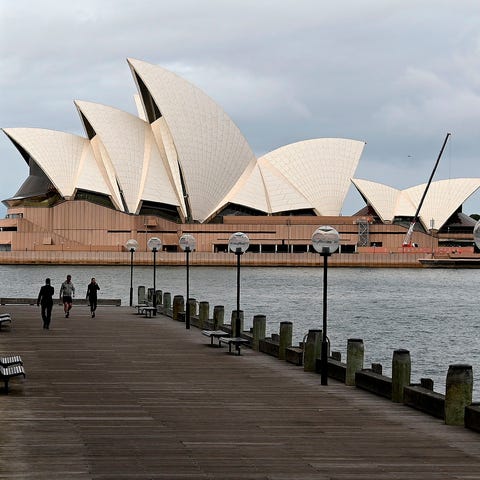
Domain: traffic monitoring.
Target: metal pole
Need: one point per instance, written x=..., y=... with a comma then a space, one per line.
x=131, y=276
x=154, y=280
x=187, y=307
x=237, y=326
x=324, y=358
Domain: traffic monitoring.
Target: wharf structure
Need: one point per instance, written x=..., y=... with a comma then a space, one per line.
x=146, y=398
x=181, y=166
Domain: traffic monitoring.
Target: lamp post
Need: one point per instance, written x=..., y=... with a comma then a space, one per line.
x=238, y=243
x=131, y=246
x=476, y=234
x=187, y=243
x=154, y=244
x=325, y=241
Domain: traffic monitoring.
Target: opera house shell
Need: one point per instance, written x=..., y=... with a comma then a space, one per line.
x=184, y=157
x=182, y=161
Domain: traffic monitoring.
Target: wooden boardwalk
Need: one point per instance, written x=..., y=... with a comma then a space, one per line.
x=126, y=397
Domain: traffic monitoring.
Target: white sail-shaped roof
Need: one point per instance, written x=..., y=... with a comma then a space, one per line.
x=128, y=141
x=383, y=198
x=442, y=199
x=66, y=159
x=317, y=171
x=212, y=152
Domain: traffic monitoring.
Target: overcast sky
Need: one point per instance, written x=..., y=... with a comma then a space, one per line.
x=398, y=75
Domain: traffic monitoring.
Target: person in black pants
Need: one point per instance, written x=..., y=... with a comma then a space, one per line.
x=92, y=290
x=45, y=299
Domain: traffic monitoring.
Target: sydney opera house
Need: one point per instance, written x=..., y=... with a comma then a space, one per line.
x=182, y=166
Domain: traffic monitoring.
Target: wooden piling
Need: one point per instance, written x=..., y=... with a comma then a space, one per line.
x=141, y=298
x=259, y=330
x=458, y=393
x=233, y=321
x=203, y=314
x=178, y=306
x=355, y=357
x=286, y=332
x=313, y=349
x=192, y=302
x=401, y=370
x=218, y=316
x=167, y=300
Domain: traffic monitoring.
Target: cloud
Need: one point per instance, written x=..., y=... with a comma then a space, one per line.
x=396, y=74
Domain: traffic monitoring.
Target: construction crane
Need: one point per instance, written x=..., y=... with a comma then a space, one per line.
x=407, y=242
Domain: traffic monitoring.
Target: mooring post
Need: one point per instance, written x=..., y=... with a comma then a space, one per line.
x=192, y=304
x=458, y=393
x=150, y=293
x=203, y=314
x=178, y=306
x=159, y=295
x=259, y=330
x=233, y=322
x=167, y=300
x=355, y=356
x=401, y=369
x=312, y=350
x=286, y=332
x=141, y=294
x=218, y=316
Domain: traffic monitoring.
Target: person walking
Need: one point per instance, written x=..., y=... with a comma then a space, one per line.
x=46, y=301
x=92, y=290
x=67, y=293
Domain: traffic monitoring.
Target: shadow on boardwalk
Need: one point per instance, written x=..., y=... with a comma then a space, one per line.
x=121, y=396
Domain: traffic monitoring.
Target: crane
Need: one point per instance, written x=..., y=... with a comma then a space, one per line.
x=407, y=242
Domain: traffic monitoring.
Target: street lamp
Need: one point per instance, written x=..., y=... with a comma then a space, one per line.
x=476, y=234
x=131, y=246
x=238, y=243
x=325, y=241
x=154, y=244
x=187, y=243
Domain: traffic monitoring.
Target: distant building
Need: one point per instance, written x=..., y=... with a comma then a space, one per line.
x=181, y=163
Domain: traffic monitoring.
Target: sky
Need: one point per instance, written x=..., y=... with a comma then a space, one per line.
x=398, y=75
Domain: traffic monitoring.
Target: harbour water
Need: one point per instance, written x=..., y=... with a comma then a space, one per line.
x=433, y=313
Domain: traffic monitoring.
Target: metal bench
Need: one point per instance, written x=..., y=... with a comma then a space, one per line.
x=148, y=311
x=140, y=306
x=9, y=372
x=8, y=360
x=5, y=318
x=235, y=341
x=214, y=334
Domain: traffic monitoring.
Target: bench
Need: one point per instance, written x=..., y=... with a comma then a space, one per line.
x=214, y=334
x=148, y=311
x=9, y=372
x=140, y=306
x=236, y=341
x=5, y=318
x=9, y=360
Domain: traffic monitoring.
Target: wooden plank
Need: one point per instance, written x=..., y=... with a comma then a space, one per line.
x=111, y=398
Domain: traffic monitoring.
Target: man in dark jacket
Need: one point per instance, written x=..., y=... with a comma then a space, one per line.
x=45, y=299
x=92, y=290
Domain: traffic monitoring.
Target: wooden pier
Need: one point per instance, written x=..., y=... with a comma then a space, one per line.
x=121, y=396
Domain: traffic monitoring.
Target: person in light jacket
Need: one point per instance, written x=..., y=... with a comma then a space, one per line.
x=67, y=294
